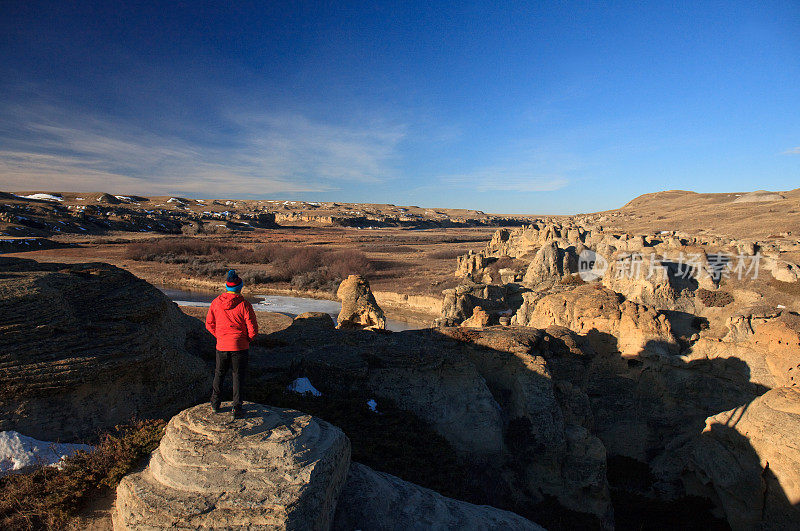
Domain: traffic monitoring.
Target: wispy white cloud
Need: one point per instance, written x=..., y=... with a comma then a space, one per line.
x=792, y=151
x=58, y=150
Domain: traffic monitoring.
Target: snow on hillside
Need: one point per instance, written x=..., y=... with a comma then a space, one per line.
x=43, y=197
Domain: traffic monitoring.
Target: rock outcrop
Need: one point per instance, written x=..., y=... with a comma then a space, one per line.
x=488, y=392
x=84, y=347
x=551, y=262
x=657, y=282
x=611, y=324
x=786, y=271
x=460, y=302
x=359, y=308
x=766, y=338
x=271, y=469
x=471, y=265
x=750, y=458
x=375, y=500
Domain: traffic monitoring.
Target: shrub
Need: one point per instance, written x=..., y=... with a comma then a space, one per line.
x=714, y=298
x=313, y=267
x=171, y=249
x=201, y=268
x=49, y=497
x=317, y=280
x=254, y=277
x=341, y=264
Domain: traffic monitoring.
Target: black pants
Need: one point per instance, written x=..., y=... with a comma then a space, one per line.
x=237, y=361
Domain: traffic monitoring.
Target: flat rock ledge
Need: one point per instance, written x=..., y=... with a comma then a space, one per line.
x=272, y=469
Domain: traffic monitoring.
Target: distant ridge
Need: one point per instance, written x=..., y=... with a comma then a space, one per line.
x=759, y=213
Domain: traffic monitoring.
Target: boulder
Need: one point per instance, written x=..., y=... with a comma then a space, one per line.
x=359, y=308
x=375, y=500
x=272, y=469
x=750, y=458
x=479, y=319
x=85, y=347
x=786, y=271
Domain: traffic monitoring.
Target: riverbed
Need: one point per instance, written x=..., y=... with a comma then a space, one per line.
x=291, y=306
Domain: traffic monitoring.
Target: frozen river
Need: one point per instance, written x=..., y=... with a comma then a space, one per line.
x=291, y=306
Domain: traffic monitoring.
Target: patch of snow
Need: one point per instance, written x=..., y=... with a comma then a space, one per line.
x=372, y=404
x=174, y=200
x=18, y=452
x=781, y=307
x=303, y=386
x=79, y=199
x=44, y=197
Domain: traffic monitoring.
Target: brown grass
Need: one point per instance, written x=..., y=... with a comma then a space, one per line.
x=48, y=497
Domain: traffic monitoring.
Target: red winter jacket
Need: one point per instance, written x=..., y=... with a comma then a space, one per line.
x=232, y=321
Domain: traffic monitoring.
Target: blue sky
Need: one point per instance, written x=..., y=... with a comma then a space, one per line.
x=552, y=107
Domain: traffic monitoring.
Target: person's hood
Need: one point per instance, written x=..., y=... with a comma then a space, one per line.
x=229, y=300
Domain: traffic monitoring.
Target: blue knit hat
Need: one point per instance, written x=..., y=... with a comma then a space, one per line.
x=233, y=282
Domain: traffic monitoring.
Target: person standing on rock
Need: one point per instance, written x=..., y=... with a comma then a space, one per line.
x=232, y=321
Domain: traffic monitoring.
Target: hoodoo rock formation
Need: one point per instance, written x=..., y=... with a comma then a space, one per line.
x=359, y=308
x=271, y=469
x=663, y=355
x=84, y=347
x=604, y=317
